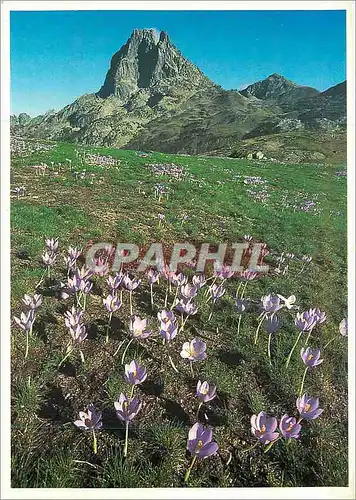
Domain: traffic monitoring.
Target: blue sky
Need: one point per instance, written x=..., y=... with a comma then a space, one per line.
x=58, y=56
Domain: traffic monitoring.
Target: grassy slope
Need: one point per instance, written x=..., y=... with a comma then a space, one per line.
x=45, y=399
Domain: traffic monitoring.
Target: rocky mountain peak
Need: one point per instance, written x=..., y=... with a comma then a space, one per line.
x=148, y=61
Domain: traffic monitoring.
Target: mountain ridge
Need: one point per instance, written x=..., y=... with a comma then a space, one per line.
x=153, y=97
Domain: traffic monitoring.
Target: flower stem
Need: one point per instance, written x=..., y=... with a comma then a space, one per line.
x=269, y=348
x=198, y=410
x=125, y=351
x=27, y=343
x=175, y=298
x=211, y=312
x=191, y=369
x=292, y=350
x=238, y=290
x=307, y=339
x=302, y=384
x=131, y=312
x=326, y=345
x=118, y=349
x=166, y=297
x=259, y=327
x=131, y=392
x=238, y=325
x=108, y=328
x=66, y=356
x=244, y=290
x=84, y=301
x=126, y=438
x=250, y=448
x=151, y=289
x=95, y=444
x=172, y=364
x=269, y=446
x=187, y=474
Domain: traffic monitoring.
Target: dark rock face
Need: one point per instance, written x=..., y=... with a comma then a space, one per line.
x=146, y=62
x=154, y=98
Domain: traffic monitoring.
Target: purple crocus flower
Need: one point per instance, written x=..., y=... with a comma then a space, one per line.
x=272, y=323
x=126, y=409
x=89, y=421
x=205, y=392
x=69, y=262
x=177, y=279
x=84, y=273
x=135, y=374
x=194, y=350
x=78, y=332
x=289, y=427
x=247, y=275
x=130, y=283
x=73, y=317
x=52, y=244
x=26, y=320
x=311, y=357
x=319, y=316
x=263, y=428
x=112, y=303
x=189, y=291
x=308, y=407
x=224, y=272
x=74, y=253
x=85, y=286
x=241, y=305
x=138, y=327
x=114, y=282
x=271, y=303
x=216, y=292
x=152, y=276
x=186, y=306
x=33, y=302
x=166, y=316
x=169, y=330
x=343, y=327
x=200, y=441
x=305, y=321
x=199, y=280
x=49, y=258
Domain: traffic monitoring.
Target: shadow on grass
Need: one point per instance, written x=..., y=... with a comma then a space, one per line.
x=175, y=412
x=56, y=407
x=230, y=358
x=153, y=387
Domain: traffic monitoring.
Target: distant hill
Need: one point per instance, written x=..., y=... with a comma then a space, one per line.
x=154, y=98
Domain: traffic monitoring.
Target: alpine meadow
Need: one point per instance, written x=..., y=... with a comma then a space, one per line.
x=179, y=282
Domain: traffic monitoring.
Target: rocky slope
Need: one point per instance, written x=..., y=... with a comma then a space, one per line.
x=153, y=98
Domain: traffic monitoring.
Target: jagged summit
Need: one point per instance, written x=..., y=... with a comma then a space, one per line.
x=153, y=98
x=148, y=61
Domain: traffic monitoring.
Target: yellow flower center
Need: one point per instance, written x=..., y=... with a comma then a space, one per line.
x=310, y=357
x=125, y=405
x=290, y=427
x=263, y=429
x=204, y=390
x=307, y=407
x=200, y=444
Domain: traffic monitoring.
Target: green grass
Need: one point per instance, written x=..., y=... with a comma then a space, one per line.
x=48, y=451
